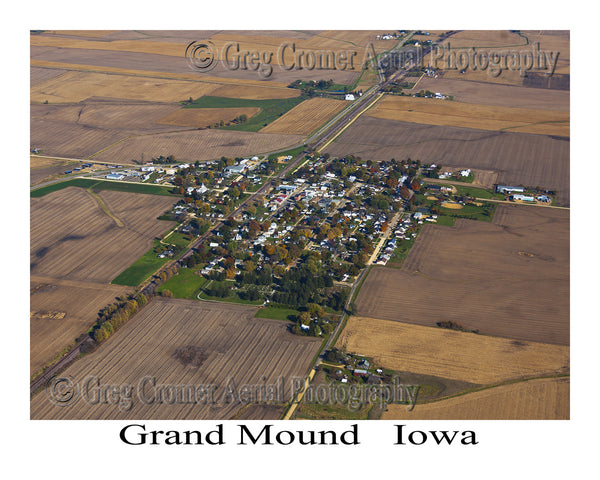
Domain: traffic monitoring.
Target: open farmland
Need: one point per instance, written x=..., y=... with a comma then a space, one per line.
x=71, y=140
x=467, y=357
x=504, y=41
x=443, y=112
x=130, y=117
x=306, y=117
x=232, y=346
x=197, y=145
x=184, y=75
x=521, y=158
x=483, y=93
x=203, y=117
x=541, y=399
x=43, y=168
x=79, y=302
x=508, y=278
x=73, y=238
x=255, y=92
x=105, y=60
x=39, y=75
x=77, y=86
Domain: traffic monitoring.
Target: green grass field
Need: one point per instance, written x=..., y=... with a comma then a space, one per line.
x=477, y=192
x=185, y=284
x=403, y=248
x=270, y=110
x=98, y=185
x=277, y=313
x=150, y=262
x=445, y=220
x=471, y=212
x=143, y=267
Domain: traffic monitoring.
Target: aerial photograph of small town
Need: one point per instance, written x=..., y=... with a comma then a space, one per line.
x=299, y=224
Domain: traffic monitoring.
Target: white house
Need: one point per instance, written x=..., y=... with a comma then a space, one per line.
x=349, y=96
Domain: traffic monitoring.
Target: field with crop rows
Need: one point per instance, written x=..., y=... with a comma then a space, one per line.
x=72, y=238
x=543, y=399
x=468, y=357
x=306, y=117
x=232, y=349
x=508, y=278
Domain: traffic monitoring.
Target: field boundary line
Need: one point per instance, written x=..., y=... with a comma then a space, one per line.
x=102, y=205
x=496, y=385
x=149, y=74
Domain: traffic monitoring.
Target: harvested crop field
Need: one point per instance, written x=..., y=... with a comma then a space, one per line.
x=506, y=41
x=467, y=357
x=107, y=114
x=77, y=86
x=234, y=349
x=260, y=412
x=42, y=168
x=483, y=93
x=79, y=301
x=105, y=60
x=444, y=112
x=203, y=117
x=253, y=92
x=39, y=75
x=521, y=158
x=144, y=72
x=509, y=278
x=72, y=238
x=541, y=399
x=71, y=140
x=156, y=47
x=197, y=145
x=306, y=117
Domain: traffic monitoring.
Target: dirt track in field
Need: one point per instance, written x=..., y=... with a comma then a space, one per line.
x=71, y=238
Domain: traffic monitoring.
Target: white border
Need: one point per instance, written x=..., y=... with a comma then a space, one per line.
x=545, y=449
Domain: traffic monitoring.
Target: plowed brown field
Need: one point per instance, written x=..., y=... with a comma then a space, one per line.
x=72, y=238
x=239, y=349
x=197, y=145
x=509, y=278
x=80, y=301
x=203, y=117
x=443, y=112
x=521, y=158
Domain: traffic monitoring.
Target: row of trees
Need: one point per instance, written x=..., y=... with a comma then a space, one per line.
x=113, y=316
